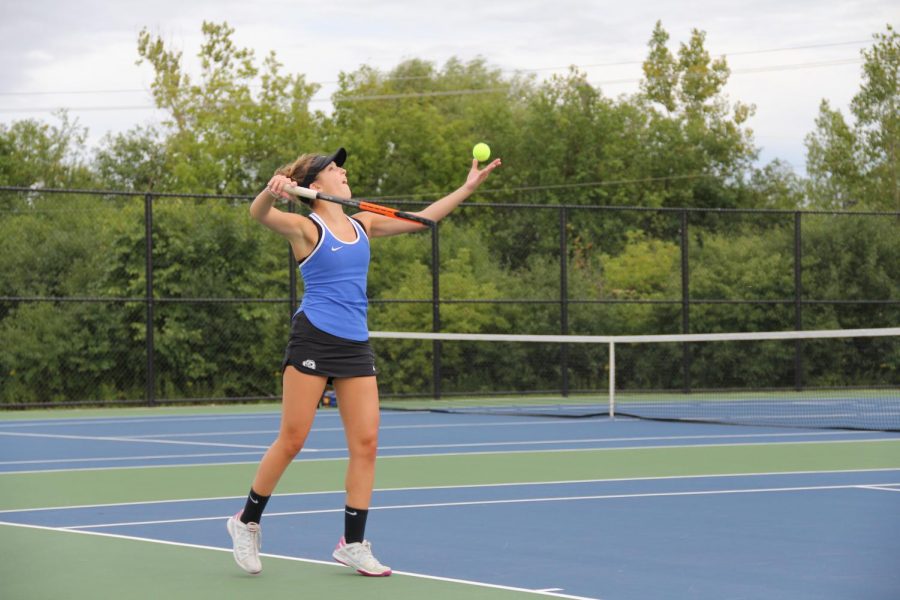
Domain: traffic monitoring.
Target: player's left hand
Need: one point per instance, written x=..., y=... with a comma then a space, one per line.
x=477, y=176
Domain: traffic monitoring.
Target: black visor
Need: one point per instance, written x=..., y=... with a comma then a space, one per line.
x=320, y=162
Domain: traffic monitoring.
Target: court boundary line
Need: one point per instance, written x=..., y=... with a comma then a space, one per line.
x=519, y=422
x=466, y=486
x=117, y=438
x=883, y=487
x=299, y=559
x=136, y=419
x=422, y=505
x=257, y=449
x=484, y=453
x=275, y=413
x=466, y=425
x=124, y=458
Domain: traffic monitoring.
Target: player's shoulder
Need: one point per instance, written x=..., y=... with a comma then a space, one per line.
x=362, y=221
x=299, y=226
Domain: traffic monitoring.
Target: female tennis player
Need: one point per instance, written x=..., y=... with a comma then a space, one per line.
x=329, y=343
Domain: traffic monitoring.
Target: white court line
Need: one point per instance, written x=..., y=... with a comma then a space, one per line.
x=401, y=447
x=606, y=439
x=270, y=515
x=124, y=458
x=298, y=559
x=446, y=454
x=64, y=422
x=495, y=425
x=145, y=436
x=882, y=487
x=101, y=438
x=466, y=486
x=517, y=423
x=275, y=414
x=435, y=446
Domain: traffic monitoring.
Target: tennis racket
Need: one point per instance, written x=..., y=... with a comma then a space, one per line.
x=302, y=192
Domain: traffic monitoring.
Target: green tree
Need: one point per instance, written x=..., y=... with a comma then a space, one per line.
x=836, y=178
x=876, y=109
x=855, y=165
x=222, y=135
x=64, y=246
x=133, y=161
x=410, y=131
x=775, y=186
x=748, y=263
x=40, y=155
x=698, y=145
x=226, y=346
x=851, y=258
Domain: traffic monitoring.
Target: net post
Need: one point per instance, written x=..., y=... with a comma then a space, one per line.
x=612, y=380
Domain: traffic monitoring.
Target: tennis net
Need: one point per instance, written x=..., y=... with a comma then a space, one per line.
x=847, y=379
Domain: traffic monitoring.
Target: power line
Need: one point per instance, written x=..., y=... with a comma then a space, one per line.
x=65, y=93
x=787, y=48
x=530, y=70
x=724, y=54
x=76, y=108
x=437, y=94
x=448, y=93
x=794, y=67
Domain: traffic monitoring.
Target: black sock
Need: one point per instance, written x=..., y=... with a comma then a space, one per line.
x=354, y=524
x=254, y=508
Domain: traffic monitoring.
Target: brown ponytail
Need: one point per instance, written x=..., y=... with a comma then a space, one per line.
x=298, y=169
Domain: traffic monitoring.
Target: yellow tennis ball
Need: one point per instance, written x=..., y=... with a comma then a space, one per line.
x=481, y=151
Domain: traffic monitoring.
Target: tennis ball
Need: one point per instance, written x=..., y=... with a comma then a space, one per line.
x=481, y=151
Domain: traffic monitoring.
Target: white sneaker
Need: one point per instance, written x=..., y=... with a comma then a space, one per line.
x=247, y=540
x=358, y=555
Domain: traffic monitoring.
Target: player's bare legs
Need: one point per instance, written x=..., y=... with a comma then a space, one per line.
x=298, y=409
x=358, y=404
x=300, y=398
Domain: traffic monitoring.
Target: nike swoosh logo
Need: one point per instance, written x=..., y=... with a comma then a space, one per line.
x=333, y=249
x=352, y=514
x=254, y=501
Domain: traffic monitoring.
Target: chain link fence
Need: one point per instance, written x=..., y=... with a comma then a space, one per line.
x=139, y=299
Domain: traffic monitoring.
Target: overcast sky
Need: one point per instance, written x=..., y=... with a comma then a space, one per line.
x=785, y=55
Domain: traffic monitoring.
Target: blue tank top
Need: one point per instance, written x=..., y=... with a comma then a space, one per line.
x=334, y=281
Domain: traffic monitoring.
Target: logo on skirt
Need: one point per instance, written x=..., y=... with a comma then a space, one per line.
x=309, y=363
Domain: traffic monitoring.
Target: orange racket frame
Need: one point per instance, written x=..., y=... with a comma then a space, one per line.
x=308, y=194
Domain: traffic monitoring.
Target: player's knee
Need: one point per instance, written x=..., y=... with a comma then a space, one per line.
x=365, y=447
x=291, y=442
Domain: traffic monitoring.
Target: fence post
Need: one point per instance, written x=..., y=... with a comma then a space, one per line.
x=685, y=302
x=150, y=386
x=798, y=302
x=436, y=345
x=564, y=298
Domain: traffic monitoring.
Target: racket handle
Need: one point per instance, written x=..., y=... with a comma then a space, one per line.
x=301, y=192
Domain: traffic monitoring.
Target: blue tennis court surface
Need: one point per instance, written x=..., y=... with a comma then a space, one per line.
x=824, y=533
x=148, y=441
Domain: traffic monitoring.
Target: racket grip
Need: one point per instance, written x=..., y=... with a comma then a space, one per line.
x=302, y=192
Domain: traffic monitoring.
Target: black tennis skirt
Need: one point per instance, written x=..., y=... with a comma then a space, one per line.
x=313, y=351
